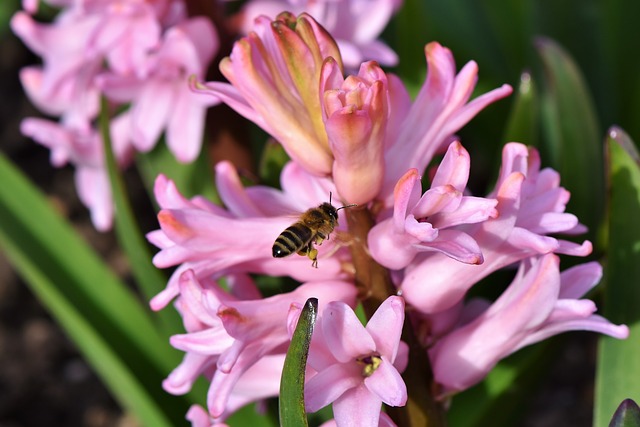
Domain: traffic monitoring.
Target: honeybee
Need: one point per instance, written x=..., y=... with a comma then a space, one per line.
x=313, y=226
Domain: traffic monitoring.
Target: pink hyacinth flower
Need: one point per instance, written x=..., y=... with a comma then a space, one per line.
x=198, y=235
x=226, y=337
x=74, y=47
x=355, y=24
x=531, y=205
x=274, y=74
x=419, y=129
x=355, y=111
x=199, y=417
x=539, y=303
x=384, y=421
x=82, y=147
x=159, y=91
x=429, y=222
x=354, y=367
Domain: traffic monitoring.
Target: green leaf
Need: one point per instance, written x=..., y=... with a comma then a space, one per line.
x=149, y=279
x=627, y=415
x=410, y=39
x=106, y=321
x=292, y=413
x=523, y=118
x=7, y=9
x=501, y=398
x=618, y=361
x=272, y=162
x=573, y=143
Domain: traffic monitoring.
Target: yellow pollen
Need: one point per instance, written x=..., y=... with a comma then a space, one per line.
x=370, y=363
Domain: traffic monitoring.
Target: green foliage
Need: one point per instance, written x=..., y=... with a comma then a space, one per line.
x=618, y=361
x=627, y=415
x=572, y=135
x=292, y=413
x=110, y=326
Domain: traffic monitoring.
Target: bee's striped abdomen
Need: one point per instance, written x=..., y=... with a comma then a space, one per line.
x=292, y=240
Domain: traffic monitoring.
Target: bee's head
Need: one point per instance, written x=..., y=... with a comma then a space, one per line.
x=330, y=210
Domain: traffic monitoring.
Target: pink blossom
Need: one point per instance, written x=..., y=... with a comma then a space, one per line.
x=82, y=147
x=419, y=129
x=370, y=128
x=430, y=223
x=355, y=24
x=238, y=344
x=159, y=90
x=355, y=111
x=539, y=303
x=274, y=73
x=384, y=421
x=353, y=367
x=74, y=47
x=199, y=417
x=198, y=235
x=531, y=205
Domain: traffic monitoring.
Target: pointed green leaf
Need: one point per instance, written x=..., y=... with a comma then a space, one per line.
x=149, y=279
x=627, y=415
x=618, y=361
x=523, y=118
x=109, y=325
x=573, y=138
x=292, y=413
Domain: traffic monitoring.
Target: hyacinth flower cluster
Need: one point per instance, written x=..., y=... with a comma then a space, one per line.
x=135, y=53
x=354, y=24
x=139, y=54
x=362, y=139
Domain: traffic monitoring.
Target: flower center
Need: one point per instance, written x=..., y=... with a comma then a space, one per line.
x=370, y=363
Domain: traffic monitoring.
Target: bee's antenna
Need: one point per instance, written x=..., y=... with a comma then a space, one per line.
x=347, y=206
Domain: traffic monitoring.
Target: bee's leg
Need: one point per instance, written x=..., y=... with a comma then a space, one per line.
x=319, y=238
x=312, y=253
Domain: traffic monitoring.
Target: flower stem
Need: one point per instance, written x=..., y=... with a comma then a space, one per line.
x=375, y=286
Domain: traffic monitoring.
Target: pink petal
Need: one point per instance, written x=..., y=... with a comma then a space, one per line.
x=454, y=168
x=437, y=199
x=357, y=407
x=207, y=342
x=198, y=417
x=181, y=379
x=345, y=336
x=390, y=249
x=387, y=384
x=593, y=323
x=185, y=130
x=385, y=326
x=232, y=192
x=149, y=115
x=457, y=245
x=330, y=384
x=421, y=231
x=580, y=279
x=470, y=210
x=405, y=195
